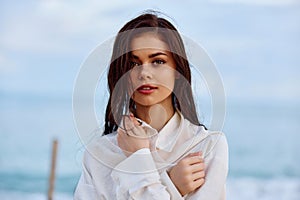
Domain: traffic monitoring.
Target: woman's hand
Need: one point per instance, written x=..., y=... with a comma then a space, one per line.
x=129, y=138
x=188, y=175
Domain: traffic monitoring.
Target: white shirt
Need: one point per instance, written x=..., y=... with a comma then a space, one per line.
x=109, y=174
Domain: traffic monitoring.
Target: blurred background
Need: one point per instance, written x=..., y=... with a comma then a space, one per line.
x=255, y=45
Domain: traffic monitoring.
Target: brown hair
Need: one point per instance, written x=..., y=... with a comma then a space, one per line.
x=120, y=64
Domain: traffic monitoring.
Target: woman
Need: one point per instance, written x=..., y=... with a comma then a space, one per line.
x=153, y=145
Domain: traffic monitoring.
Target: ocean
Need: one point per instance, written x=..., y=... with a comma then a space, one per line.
x=263, y=140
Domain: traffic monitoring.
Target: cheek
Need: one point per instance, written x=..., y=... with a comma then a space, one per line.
x=167, y=79
x=133, y=79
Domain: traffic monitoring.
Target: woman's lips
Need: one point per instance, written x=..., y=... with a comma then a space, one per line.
x=146, y=89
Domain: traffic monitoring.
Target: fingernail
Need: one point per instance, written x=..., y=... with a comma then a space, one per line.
x=131, y=116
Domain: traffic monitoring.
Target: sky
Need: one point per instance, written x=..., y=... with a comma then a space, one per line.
x=255, y=44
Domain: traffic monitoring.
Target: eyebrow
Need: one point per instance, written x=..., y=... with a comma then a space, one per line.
x=151, y=55
x=157, y=54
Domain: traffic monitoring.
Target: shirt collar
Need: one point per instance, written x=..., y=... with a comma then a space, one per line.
x=168, y=135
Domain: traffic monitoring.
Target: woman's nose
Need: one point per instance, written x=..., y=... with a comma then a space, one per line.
x=145, y=72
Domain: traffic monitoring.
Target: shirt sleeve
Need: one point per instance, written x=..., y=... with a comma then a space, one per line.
x=166, y=180
x=85, y=189
x=216, y=163
x=138, y=177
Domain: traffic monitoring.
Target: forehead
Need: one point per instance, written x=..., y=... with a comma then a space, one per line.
x=148, y=41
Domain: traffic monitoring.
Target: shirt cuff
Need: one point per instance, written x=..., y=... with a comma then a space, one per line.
x=165, y=179
x=136, y=171
x=143, y=151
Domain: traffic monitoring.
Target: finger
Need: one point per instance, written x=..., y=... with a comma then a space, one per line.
x=132, y=126
x=194, y=160
x=198, y=183
x=197, y=167
x=195, y=154
x=198, y=175
x=138, y=131
x=134, y=120
x=127, y=123
x=198, y=153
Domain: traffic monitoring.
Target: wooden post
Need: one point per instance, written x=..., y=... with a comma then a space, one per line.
x=52, y=172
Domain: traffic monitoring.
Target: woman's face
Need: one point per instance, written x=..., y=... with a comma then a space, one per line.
x=154, y=70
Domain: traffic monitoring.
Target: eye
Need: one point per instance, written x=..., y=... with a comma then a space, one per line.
x=134, y=64
x=159, y=62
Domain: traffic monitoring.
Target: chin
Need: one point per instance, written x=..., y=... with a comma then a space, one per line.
x=143, y=103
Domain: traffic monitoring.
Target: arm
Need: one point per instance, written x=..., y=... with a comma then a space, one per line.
x=216, y=163
x=137, y=178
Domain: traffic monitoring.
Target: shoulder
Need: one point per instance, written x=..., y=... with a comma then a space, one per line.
x=212, y=142
x=220, y=141
x=100, y=143
x=217, y=136
x=217, y=148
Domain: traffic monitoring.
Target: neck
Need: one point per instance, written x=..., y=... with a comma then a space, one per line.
x=155, y=115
